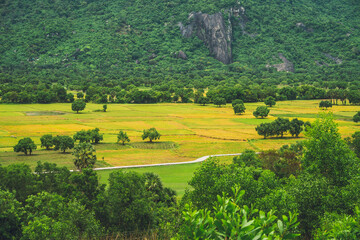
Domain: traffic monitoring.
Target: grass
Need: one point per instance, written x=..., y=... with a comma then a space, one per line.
x=175, y=177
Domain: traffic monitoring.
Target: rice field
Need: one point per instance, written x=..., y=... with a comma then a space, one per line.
x=188, y=131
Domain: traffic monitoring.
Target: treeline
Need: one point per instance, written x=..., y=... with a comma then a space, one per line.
x=45, y=93
x=29, y=93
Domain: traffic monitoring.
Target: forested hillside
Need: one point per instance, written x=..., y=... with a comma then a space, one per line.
x=120, y=41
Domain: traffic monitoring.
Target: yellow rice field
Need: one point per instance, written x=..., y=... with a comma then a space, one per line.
x=196, y=130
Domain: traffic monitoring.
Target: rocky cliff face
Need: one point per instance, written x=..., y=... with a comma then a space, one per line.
x=212, y=30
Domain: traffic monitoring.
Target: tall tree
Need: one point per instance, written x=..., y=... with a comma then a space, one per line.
x=327, y=154
x=123, y=137
x=47, y=141
x=63, y=142
x=150, y=133
x=84, y=155
x=239, y=108
x=261, y=111
x=25, y=145
x=78, y=105
x=270, y=101
x=296, y=127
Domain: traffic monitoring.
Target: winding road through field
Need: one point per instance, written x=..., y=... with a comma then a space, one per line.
x=167, y=164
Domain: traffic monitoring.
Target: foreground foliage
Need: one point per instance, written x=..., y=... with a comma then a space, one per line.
x=230, y=221
x=308, y=188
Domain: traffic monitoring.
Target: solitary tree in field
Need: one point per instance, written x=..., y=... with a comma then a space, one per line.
x=47, y=141
x=239, y=108
x=325, y=104
x=237, y=101
x=270, y=101
x=104, y=107
x=123, y=137
x=261, y=111
x=84, y=155
x=25, y=145
x=78, y=105
x=63, y=142
x=356, y=117
x=151, y=133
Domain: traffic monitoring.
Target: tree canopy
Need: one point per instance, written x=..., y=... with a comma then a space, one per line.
x=150, y=133
x=261, y=111
x=78, y=105
x=25, y=145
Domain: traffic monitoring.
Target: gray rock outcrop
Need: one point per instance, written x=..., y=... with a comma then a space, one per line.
x=212, y=30
x=181, y=55
x=286, y=66
x=335, y=59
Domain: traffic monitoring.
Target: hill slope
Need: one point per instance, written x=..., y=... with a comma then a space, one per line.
x=109, y=41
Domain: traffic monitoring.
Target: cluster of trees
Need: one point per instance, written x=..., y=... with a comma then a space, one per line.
x=88, y=136
x=62, y=143
x=66, y=142
x=55, y=203
x=317, y=179
x=84, y=153
x=37, y=94
x=261, y=111
x=281, y=126
x=151, y=133
x=308, y=189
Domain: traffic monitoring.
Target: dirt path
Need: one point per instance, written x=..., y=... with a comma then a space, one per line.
x=168, y=164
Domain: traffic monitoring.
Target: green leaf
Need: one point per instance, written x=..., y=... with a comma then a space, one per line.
x=280, y=226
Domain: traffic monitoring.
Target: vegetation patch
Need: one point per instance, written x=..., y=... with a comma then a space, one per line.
x=111, y=146
x=44, y=113
x=296, y=115
x=154, y=145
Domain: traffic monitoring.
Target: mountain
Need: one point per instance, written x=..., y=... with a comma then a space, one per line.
x=144, y=42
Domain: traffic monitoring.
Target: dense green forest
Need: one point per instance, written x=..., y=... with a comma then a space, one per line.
x=121, y=42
